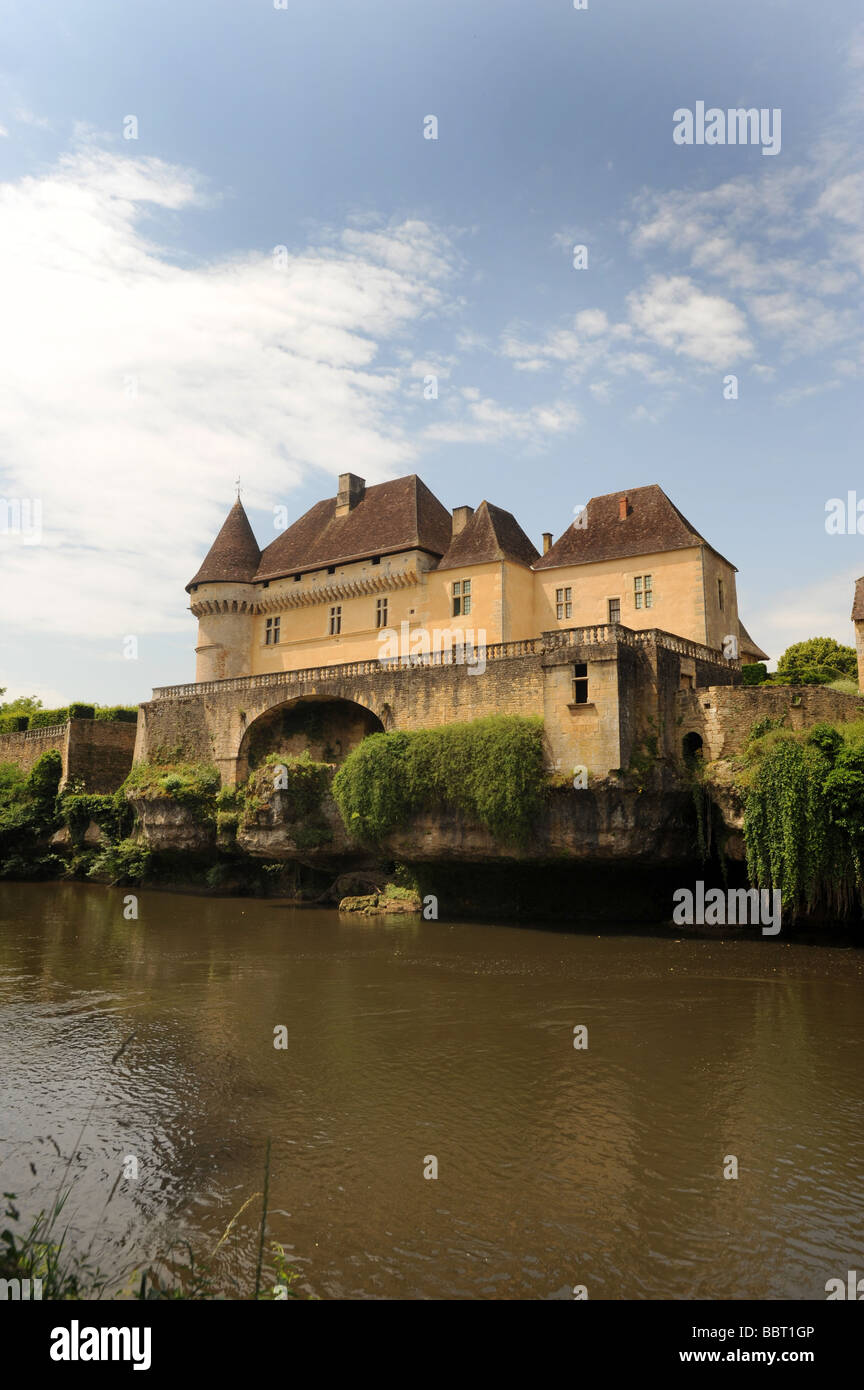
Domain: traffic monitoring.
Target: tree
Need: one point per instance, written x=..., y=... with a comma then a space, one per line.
x=25, y=704
x=816, y=662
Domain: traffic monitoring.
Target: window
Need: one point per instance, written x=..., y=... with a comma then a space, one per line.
x=614, y=610
x=461, y=598
x=331, y=569
x=580, y=684
x=381, y=613
x=563, y=603
x=720, y=593
x=297, y=578
x=336, y=620
x=376, y=559
x=271, y=632
x=643, y=591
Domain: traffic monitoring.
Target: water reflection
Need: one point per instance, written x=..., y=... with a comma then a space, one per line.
x=556, y=1166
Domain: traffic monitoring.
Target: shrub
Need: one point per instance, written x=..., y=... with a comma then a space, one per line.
x=489, y=770
x=44, y=777
x=45, y=718
x=804, y=815
x=754, y=674
x=302, y=781
x=126, y=862
x=111, y=815
x=13, y=723
x=195, y=785
x=118, y=714
x=817, y=661
x=80, y=711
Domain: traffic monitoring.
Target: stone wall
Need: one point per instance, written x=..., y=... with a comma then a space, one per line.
x=95, y=752
x=25, y=748
x=633, y=680
x=99, y=753
x=723, y=716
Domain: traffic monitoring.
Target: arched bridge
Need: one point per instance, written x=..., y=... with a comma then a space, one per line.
x=632, y=678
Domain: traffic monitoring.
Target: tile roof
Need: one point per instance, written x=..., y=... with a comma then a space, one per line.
x=746, y=644
x=653, y=524
x=490, y=534
x=400, y=515
x=234, y=555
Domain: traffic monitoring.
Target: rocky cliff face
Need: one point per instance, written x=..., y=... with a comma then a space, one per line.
x=608, y=822
x=167, y=826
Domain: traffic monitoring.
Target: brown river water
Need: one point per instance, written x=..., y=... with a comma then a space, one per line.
x=599, y=1166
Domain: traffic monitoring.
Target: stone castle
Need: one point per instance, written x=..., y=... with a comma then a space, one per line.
x=379, y=609
x=386, y=570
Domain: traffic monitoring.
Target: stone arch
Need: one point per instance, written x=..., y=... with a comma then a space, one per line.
x=692, y=746
x=328, y=726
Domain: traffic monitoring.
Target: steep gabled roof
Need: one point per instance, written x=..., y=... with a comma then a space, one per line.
x=234, y=555
x=653, y=524
x=399, y=515
x=746, y=644
x=490, y=534
x=858, y=602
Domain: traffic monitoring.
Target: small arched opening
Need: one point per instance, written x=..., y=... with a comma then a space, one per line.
x=692, y=747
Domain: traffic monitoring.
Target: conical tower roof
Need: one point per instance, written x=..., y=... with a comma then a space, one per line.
x=234, y=556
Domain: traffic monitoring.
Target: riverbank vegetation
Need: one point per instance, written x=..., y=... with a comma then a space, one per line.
x=803, y=795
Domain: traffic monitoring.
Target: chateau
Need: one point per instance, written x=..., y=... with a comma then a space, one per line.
x=381, y=610
x=386, y=571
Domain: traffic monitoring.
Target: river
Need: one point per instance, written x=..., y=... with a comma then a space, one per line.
x=600, y=1166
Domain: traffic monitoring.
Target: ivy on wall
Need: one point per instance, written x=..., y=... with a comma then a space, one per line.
x=804, y=815
x=489, y=770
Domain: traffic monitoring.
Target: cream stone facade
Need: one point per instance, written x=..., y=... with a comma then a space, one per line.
x=387, y=571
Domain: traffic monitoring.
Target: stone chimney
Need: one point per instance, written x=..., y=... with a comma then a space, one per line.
x=351, y=491
x=623, y=508
x=547, y=542
x=461, y=517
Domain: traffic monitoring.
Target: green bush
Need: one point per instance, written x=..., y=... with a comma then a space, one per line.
x=754, y=674
x=13, y=723
x=118, y=714
x=28, y=813
x=81, y=711
x=126, y=862
x=302, y=781
x=817, y=661
x=804, y=815
x=489, y=770
x=45, y=718
x=111, y=814
x=195, y=785
x=44, y=778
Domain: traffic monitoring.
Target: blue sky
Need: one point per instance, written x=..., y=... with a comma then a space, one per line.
x=155, y=347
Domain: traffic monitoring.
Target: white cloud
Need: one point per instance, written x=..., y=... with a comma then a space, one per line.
x=674, y=313
x=488, y=422
x=136, y=388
